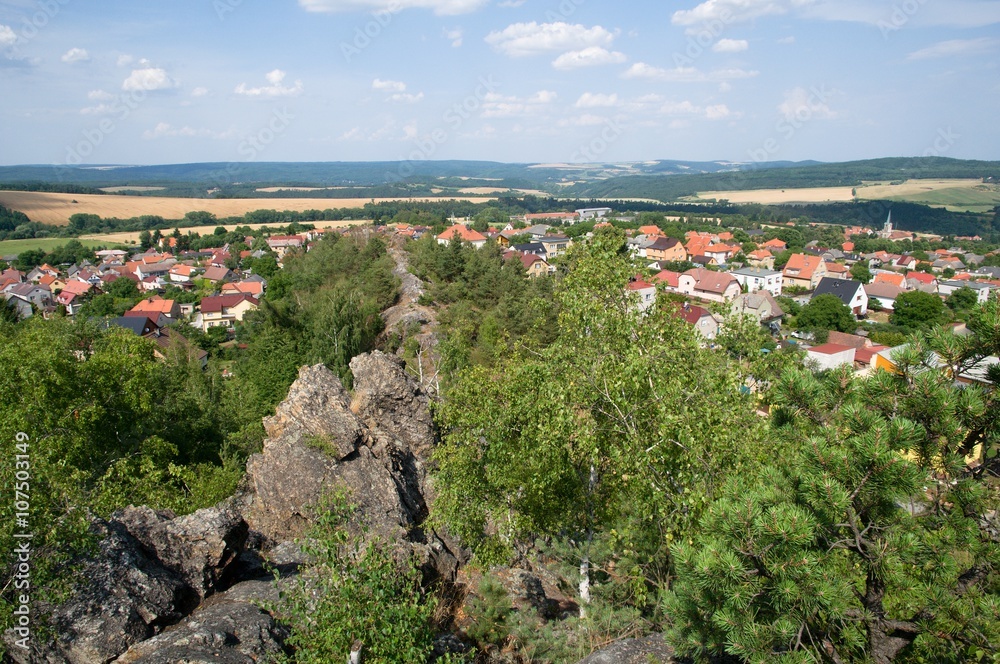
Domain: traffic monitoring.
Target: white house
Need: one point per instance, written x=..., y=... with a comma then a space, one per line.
x=758, y=278
x=850, y=292
x=830, y=356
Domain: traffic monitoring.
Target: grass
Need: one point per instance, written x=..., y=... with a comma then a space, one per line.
x=12, y=247
x=978, y=199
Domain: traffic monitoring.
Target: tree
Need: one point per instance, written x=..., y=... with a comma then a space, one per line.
x=917, y=310
x=860, y=272
x=568, y=441
x=962, y=299
x=867, y=542
x=825, y=313
x=145, y=240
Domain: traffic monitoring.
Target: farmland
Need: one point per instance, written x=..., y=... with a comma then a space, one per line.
x=957, y=195
x=14, y=247
x=127, y=237
x=56, y=209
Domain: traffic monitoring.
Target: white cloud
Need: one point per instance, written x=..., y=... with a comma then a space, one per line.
x=99, y=95
x=199, y=92
x=719, y=112
x=730, y=45
x=733, y=11
x=496, y=105
x=454, y=36
x=389, y=131
x=125, y=60
x=588, y=57
x=641, y=70
x=165, y=130
x=443, y=7
x=801, y=104
x=586, y=120
x=955, y=47
x=150, y=78
x=275, y=89
x=406, y=97
x=786, y=40
x=522, y=39
x=596, y=100
x=75, y=55
x=510, y=4
x=7, y=36
x=680, y=108
x=388, y=86
x=100, y=109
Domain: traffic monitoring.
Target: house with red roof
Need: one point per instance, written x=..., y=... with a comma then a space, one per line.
x=830, y=356
x=704, y=321
x=644, y=291
x=224, y=310
x=156, y=306
x=463, y=233
x=804, y=271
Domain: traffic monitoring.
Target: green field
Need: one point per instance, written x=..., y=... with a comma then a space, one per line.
x=957, y=199
x=12, y=247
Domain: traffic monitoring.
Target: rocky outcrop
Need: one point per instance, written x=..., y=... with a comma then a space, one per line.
x=633, y=651
x=199, y=548
x=125, y=597
x=229, y=627
x=372, y=444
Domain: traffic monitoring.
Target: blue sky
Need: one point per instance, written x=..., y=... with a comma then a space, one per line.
x=553, y=81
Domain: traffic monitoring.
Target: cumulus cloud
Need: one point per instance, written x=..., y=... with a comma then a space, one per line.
x=442, y=7
x=275, y=89
x=150, y=78
x=719, y=112
x=596, y=100
x=388, y=86
x=524, y=39
x=7, y=36
x=955, y=47
x=801, y=104
x=585, y=120
x=501, y=106
x=406, y=97
x=641, y=70
x=75, y=55
x=125, y=60
x=454, y=36
x=199, y=92
x=99, y=95
x=730, y=11
x=588, y=57
x=165, y=130
x=730, y=45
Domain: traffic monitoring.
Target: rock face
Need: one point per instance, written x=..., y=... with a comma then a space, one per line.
x=198, y=548
x=229, y=627
x=161, y=588
x=372, y=444
x=633, y=651
x=127, y=597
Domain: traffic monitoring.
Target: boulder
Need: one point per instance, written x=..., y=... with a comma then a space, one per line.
x=199, y=548
x=633, y=651
x=390, y=402
x=229, y=627
x=124, y=597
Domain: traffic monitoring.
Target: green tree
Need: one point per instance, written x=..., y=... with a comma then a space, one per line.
x=825, y=313
x=354, y=590
x=962, y=299
x=917, y=310
x=860, y=272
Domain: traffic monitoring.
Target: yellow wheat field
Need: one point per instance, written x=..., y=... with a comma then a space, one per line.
x=56, y=209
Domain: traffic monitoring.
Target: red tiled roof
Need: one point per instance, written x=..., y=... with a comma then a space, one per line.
x=466, y=234
x=667, y=277
x=154, y=305
x=217, y=303
x=830, y=349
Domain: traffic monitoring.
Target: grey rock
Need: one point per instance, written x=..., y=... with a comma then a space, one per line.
x=391, y=403
x=229, y=627
x=125, y=597
x=633, y=651
x=199, y=547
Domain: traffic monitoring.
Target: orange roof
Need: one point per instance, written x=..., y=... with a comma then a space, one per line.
x=78, y=287
x=667, y=277
x=776, y=243
x=46, y=280
x=802, y=265
x=830, y=349
x=836, y=268
x=760, y=254
x=922, y=277
x=639, y=284
x=893, y=278
x=254, y=288
x=650, y=230
x=847, y=246
x=466, y=234
x=154, y=305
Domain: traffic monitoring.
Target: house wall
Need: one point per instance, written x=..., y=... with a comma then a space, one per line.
x=831, y=361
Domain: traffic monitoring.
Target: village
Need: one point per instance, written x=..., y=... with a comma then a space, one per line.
x=725, y=280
